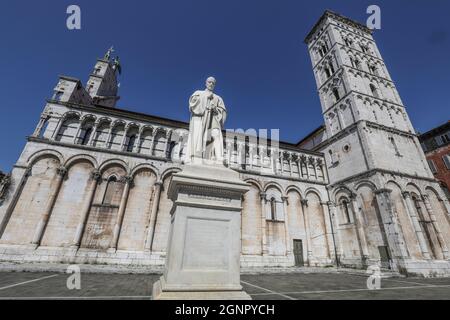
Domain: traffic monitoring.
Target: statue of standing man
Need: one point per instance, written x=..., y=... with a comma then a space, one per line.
x=208, y=115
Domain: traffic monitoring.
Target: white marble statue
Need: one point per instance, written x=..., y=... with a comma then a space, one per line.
x=208, y=115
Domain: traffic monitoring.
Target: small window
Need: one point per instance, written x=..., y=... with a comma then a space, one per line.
x=273, y=209
x=331, y=68
x=445, y=138
x=336, y=95
x=374, y=90
x=446, y=159
x=432, y=166
x=364, y=48
x=346, y=210
x=58, y=95
x=327, y=72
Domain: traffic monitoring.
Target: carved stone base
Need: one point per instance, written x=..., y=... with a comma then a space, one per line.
x=203, y=257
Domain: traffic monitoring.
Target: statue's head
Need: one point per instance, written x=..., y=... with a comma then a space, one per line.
x=211, y=83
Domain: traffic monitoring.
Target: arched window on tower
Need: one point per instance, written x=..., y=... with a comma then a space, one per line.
x=273, y=209
x=374, y=91
x=336, y=95
x=331, y=67
x=327, y=72
x=348, y=42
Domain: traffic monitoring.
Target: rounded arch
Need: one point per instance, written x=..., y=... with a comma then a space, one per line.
x=399, y=186
x=254, y=182
x=87, y=117
x=343, y=189
x=112, y=162
x=104, y=120
x=168, y=172
x=79, y=157
x=118, y=122
x=413, y=187
x=433, y=190
x=275, y=185
x=312, y=190
x=142, y=166
x=47, y=152
x=294, y=188
x=366, y=183
x=71, y=114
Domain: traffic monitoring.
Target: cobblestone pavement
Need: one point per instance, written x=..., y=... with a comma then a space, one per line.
x=293, y=286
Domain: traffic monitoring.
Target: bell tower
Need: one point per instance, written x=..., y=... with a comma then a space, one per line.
x=380, y=182
x=102, y=85
x=367, y=126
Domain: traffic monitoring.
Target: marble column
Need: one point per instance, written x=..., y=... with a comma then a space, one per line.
x=124, y=139
x=77, y=132
x=241, y=155
x=153, y=216
x=305, y=161
x=152, y=142
x=307, y=228
x=109, y=138
x=250, y=150
x=166, y=144
x=95, y=178
x=137, y=143
x=416, y=225
x=40, y=229
x=392, y=230
x=93, y=134
x=286, y=226
x=299, y=167
x=58, y=128
x=122, y=207
x=328, y=230
x=360, y=229
x=263, y=224
x=291, y=170
x=335, y=226
x=40, y=125
x=436, y=226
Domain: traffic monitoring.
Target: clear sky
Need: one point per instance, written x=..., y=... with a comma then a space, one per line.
x=254, y=48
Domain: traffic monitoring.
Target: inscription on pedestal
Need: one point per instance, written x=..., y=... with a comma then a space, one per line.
x=212, y=254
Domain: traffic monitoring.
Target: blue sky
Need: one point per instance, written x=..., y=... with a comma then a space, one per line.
x=254, y=48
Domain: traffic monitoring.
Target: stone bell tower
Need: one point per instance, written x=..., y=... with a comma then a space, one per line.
x=363, y=112
x=373, y=155
x=102, y=85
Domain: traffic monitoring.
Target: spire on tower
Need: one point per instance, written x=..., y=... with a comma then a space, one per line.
x=102, y=84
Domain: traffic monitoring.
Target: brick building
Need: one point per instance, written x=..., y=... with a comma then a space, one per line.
x=436, y=144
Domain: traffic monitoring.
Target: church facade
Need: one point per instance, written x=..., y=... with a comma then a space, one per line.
x=91, y=183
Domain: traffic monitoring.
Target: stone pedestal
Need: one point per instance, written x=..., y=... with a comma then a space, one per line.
x=203, y=257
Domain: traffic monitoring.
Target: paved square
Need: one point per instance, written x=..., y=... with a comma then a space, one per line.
x=292, y=286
